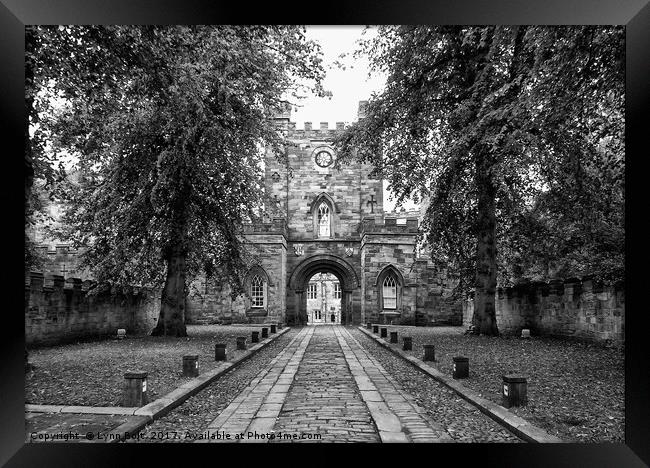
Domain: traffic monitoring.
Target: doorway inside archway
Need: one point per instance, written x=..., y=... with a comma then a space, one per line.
x=323, y=299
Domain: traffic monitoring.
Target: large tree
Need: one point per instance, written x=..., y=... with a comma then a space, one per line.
x=169, y=132
x=514, y=135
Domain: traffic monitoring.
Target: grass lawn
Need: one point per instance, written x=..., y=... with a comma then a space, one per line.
x=576, y=391
x=92, y=374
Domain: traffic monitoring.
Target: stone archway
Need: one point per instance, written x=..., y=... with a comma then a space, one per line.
x=323, y=263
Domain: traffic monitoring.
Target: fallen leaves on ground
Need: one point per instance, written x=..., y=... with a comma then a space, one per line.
x=575, y=389
x=92, y=373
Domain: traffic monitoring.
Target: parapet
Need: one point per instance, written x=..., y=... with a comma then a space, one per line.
x=275, y=226
x=558, y=287
x=37, y=281
x=388, y=225
x=323, y=132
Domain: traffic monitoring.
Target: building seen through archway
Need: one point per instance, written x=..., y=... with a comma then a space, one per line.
x=324, y=299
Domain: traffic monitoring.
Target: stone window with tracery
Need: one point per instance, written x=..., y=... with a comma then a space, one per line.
x=323, y=220
x=258, y=291
x=389, y=292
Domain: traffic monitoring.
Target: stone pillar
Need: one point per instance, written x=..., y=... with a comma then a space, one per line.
x=220, y=350
x=429, y=352
x=135, y=391
x=461, y=367
x=514, y=390
x=191, y=365
x=408, y=343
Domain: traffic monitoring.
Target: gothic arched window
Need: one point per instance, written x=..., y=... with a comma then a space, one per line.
x=324, y=220
x=389, y=292
x=389, y=285
x=258, y=291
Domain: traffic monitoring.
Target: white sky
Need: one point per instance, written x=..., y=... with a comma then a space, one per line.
x=348, y=86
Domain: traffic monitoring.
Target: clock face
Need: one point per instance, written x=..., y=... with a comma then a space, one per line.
x=323, y=158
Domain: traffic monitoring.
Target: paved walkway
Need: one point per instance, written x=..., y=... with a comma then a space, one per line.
x=324, y=387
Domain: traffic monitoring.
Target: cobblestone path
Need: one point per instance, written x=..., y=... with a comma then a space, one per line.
x=325, y=387
x=324, y=400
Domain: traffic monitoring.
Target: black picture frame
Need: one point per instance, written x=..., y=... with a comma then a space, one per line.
x=634, y=14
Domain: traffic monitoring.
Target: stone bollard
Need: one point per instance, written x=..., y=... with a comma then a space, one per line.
x=514, y=390
x=408, y=343
x=241, y=342
x=121, y=333
x=135, y=389
x=265, y=332
x=191, y=365
x=384, y=332
x=220, y=350
x=256, y=337
x=429, y=352
x=273, y=328
x=375, y=328
x=525, y=333
x=369, y=326
x=461, y=367
x=393, y=337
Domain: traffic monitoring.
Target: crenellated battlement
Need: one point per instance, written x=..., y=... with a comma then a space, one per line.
x=323, y=132
x=379, y=225
x=38, y=281
x=558, y=287
x=310, y=133
x=61, y=259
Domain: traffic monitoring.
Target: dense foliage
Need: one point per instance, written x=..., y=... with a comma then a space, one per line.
x=514, y=137
x=168, y=125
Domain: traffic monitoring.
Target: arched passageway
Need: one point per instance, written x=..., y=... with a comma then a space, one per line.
x=299, y=279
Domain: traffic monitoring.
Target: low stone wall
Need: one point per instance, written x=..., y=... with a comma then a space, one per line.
x=60, y=311
x=572, y=308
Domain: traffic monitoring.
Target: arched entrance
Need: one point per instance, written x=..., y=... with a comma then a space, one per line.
x=299, y=279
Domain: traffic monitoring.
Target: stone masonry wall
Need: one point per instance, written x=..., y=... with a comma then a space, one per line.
x=212, y=303
x=573, y=308
x=298, y=182
x=425, y=290
x=60, y=311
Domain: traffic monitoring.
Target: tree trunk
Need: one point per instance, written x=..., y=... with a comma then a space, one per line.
x=172, y=302
x=484, y=318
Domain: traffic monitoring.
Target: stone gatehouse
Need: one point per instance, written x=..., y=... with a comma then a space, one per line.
x=323, y=219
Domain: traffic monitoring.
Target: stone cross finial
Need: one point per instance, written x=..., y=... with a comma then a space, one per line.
x=372, y=203
x=361, y=114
